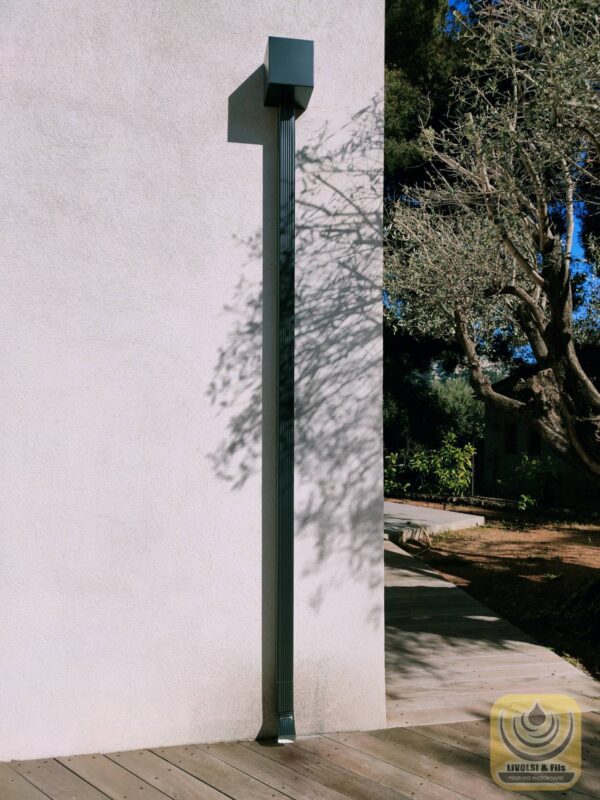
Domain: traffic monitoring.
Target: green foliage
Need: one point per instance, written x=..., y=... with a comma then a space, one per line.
x=587, y=325
x=525, y=502
x=392, y=413
x=535, y=480
x=392, y=476
x=447, y=470
x=424, y=398
x=412, y=32
x=422, y=56
x=459, y=410
x=404, y=103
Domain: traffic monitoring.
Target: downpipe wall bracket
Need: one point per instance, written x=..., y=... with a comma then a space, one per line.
x=289, y=80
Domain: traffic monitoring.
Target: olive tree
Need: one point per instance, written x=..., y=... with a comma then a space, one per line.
x=487, y=243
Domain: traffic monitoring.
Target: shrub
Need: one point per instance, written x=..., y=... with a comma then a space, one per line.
x=458, y=408
x=447, y=470
x=535, y=480
x=393, y=471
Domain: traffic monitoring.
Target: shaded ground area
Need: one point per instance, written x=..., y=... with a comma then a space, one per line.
x=541, y=575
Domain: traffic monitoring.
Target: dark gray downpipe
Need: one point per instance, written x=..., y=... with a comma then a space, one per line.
x=288, y=86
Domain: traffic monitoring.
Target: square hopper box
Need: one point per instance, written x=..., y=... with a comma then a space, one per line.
x=289, y=71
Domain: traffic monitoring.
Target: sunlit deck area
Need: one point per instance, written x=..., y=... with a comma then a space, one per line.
x=448, y=659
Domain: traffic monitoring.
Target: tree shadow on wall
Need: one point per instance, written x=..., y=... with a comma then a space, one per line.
x=338, y=460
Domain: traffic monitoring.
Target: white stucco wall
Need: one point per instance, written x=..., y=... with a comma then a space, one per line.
x=136, y=373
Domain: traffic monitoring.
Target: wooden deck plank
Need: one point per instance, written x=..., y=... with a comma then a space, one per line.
x=407, y=591
x=443, y=698
x=369, y=765
x=450, y=777
x=443, y=608
x=473, y=737
x=476, y=634
x=165, y=777
x=457, y=625
x=115, y=781
x=425, y=649
x=417, y=741
x=14, y=786
x=227, y=779
x=467, y=761
x=328, y=773
x=426, y=644
x=456, y=660
x=56, y=780
x=400, y=718
x=477, y=708
x=456, y=680
x=435, y=631
x=414, y=680
x=592, y=723
x=282, y=778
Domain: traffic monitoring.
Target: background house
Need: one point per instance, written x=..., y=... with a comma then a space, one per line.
x=137, y=496
x=507, y=441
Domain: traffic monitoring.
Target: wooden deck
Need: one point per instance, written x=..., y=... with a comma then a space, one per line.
x=448, y=659
x=431, y=762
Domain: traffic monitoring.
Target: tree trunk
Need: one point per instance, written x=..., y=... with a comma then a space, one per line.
x=556, y=401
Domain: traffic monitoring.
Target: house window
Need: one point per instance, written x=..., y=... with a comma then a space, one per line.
x=510, y=438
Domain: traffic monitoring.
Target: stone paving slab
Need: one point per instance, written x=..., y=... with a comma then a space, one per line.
x=403, y=521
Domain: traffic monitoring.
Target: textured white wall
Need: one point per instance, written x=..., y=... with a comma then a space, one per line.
x=136, y=463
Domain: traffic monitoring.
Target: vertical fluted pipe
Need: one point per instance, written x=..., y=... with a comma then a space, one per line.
x=286, y=729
